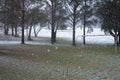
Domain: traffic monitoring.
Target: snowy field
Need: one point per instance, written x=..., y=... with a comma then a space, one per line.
x=95, y=37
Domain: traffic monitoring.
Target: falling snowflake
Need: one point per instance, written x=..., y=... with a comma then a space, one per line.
x=32, y=54
x=56, y=47
x=48, y=50
x=79, y=67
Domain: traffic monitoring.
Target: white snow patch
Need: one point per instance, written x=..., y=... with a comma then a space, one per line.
x=93, y=37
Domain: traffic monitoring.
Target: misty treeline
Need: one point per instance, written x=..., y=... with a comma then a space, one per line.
x=32, y=15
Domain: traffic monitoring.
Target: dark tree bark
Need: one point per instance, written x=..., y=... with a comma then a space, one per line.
x=16, y=32
x=54, y=37
x=84, y=26
x=35, y=33
x=23, y=21
x=29, y=35
x=53, y=21
x=118, y=37
x=12, y=31
x=74, y=24
x=6, y=29
x=73, y=10
x=5, y=17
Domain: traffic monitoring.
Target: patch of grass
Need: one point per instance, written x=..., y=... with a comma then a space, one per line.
x=7, y=73
x=53, y=54
x=63, y=41
x=75, y=62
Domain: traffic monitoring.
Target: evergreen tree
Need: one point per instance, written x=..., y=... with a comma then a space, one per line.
x=109, y=13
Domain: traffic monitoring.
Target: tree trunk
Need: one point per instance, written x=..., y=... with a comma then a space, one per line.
x=35, y=33
x=29, y=36
x=118, y=37
x=74, y=24
x=119, y=40
x=6, y=29
x=73, y=43
x=16, y=31
x=54, y=37
x=84, y=33
x=53, y=22
x=12, y=31
x=84, y=26
x=23, y=21
x=6, y=20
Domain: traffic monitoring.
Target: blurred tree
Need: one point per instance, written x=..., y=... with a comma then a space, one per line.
x=73, y=9
x=56, y=17
x=80, y=12
x=86, y=16
x=15, y=12
x=35, y=17
x=109, y=13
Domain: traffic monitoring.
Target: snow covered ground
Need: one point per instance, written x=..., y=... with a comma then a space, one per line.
x=95, y=37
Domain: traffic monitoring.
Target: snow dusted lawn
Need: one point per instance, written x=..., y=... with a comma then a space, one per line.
x=28, y=62
x=95, y=37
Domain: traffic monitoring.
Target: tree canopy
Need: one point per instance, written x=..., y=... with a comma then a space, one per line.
x=109, y=14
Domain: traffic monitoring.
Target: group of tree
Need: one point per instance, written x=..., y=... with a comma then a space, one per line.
x=21, y=15
x=58, y=14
